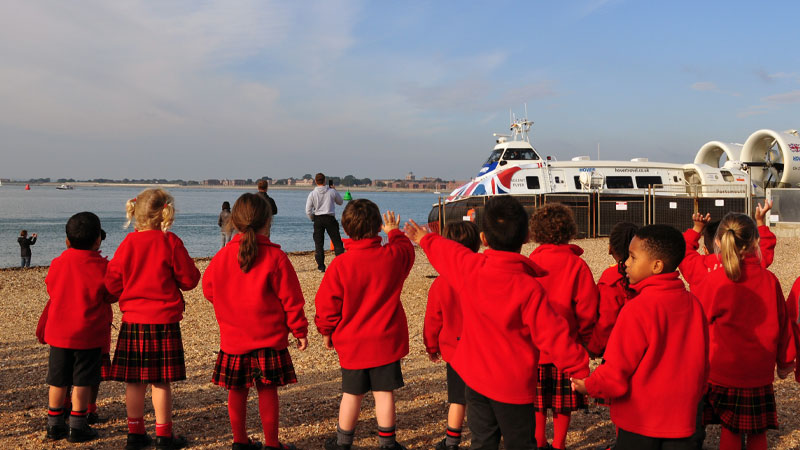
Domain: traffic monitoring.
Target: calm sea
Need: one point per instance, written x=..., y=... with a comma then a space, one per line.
x=44, y=210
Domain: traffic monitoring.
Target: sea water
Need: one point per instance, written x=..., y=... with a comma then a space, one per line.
x=44, y=210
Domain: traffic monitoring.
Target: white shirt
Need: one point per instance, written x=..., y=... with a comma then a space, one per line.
x=321, y=201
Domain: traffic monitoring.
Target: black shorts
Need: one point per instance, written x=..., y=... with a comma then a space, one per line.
x=382, y=378
x=69, y=367
x=456, y=389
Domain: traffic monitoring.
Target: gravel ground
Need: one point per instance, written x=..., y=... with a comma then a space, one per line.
x=308, y=408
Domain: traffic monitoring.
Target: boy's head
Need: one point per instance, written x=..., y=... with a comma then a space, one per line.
x=655, y=249
x=553, y=224
x=23, y=233
x=361, y=219
x=319, y=179
x=263, y=185
x=504, y=224
x=465, y=233
x=83, y=231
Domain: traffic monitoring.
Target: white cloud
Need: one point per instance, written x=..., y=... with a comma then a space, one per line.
x=704, y=86
x=786, y=97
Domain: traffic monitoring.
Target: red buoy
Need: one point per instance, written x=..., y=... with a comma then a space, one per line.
x=27, y=187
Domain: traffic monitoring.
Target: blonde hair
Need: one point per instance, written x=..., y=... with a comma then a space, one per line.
x=152, y=209
x=250, y=214
x=737, y=236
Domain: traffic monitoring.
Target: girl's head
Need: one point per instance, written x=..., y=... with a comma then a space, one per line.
x=226, y=206
x=152, y=209
x=619, y=242
x=23, y=233
x=465, y=233
x=251, y=215
x=552, y=224
x=737, y=236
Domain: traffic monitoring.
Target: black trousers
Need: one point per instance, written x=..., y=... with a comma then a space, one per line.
x=632, y=441
x=489, y=420
x=326, y=224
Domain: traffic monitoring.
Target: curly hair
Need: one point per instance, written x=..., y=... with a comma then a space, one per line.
x=552, y=223
x=152, y=209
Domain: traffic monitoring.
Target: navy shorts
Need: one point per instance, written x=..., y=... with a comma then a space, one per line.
x=381, y=378
x=456, y=389
x=69, y=367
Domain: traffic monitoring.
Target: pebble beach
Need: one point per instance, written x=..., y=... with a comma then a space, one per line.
x=309, y=408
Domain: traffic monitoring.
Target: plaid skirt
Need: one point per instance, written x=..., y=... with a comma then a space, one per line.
x=742, y=410
x=553, y=391
x=148, y=353
x=265, y=365
x=105, y=366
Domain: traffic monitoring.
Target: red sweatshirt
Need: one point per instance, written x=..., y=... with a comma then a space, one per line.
x=613, y=296
x=656, y=361
x=570, y=288
x=148, y=272
x=79, y=310
x=358, y=302
x=506, y=320
x=442, y=329
x=711, y=261
x=750, y=330
x=792, y=310
x=259, y=308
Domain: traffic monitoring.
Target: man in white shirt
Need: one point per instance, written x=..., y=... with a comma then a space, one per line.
x=321, y=209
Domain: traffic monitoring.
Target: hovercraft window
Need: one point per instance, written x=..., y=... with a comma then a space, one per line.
x=643, y=182
x=494, y=157
x=726, y=175
x=619, y=182
x=578, y=182
x=533, y=182
x=520, y=154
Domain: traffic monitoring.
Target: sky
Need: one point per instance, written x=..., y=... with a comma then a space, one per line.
x=245, y=89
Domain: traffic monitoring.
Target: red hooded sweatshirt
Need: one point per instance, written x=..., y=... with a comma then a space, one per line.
x=148, y=272
x=793, y=311
x=442, y=329
x=656, y=361
x=570, y=289
x=613, y=296
x=358, y=302
x=259, y=308
x=696, y=272
x=79, y=306
x=506, y=320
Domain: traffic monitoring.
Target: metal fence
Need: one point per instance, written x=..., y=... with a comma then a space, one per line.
x=581, y=207
x=612, y=209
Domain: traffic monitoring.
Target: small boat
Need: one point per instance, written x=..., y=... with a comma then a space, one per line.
x=64, y=187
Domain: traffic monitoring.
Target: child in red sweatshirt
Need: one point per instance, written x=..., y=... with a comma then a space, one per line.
x=573, y=294
x=750, y=332
x=80, y=303
x=442, y=331
x=506, y=321
x=614, y=287
x=257, y=301
x=149, y=269
x=656, y=361
x=359, y=314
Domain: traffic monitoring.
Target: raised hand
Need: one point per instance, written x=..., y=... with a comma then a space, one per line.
x=415, y=232
x=761, y=212
x=390, y=222
x=700, y=221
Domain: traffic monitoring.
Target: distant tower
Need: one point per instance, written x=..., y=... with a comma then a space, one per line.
x=410, y=176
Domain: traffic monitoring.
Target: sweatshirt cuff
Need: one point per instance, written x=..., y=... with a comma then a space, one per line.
x=583, y=372
x=591, y=387
x=300, y=332
x=325, y=331
x=425, y=241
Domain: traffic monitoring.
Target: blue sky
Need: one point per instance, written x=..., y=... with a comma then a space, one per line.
x=241, y=89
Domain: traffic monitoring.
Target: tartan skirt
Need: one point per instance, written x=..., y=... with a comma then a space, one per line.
x=742, y=410
x=553, y=391
x=265, y=366
x=105, y=366
x=148, y=353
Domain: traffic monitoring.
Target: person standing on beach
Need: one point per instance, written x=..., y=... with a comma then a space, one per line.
x=25, y=243
x=224, y=223
x=263, y=185
x=321, y=209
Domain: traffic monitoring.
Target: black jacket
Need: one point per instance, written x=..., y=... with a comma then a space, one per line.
x=25, y=246
x=270, y=201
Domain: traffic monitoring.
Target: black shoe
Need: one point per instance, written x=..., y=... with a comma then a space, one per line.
x=138, y=441
x=396, y=446
x=252, y=445
x=170, y=443
x=333, y=444
x=442, y=445
x=57, y=432
x=321, y=269
x=82, y=434
x=281, y=447
x=92, y=418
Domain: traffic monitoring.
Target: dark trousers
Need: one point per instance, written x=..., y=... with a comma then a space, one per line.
x=489, y=420
x=632, y=441
x=326, y=224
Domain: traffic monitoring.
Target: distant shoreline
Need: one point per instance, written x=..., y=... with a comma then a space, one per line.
x=240, y=188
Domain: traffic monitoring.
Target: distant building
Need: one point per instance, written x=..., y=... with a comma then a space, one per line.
x=425, y=184
x=410, y=176
x=212, y=182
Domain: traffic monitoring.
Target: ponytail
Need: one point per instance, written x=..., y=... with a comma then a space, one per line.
x=737, y=236
x=152, y=209
x=251, y=213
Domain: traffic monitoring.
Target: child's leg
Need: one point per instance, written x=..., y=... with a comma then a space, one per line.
x=237, y=412
x=134, y=404
x=80, y=401
x=349, y=409
x=55, y=412
x=93, y=398
x=269, y=408
x=560, y=428
x=56, y=396
x=482, y=422
x=729, y=440
x=385, y=415
x=540, y=431
x=757, y=441
x=162, y=404
x=455, y=422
